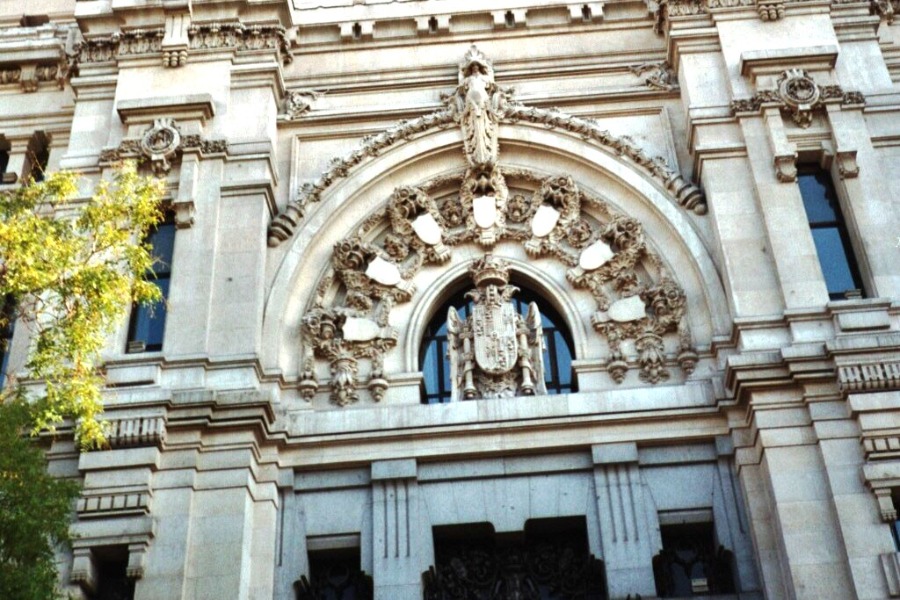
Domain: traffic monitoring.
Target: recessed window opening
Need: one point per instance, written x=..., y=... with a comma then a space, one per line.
x=549, y=560
x=586, y=13
x=7, y=325
x=5, y=147
x=112, y=582
x=148, y=322
x=829, y=232
x=37, y=156
x=510, y=19
x=357, y=31
x=691, y=563
x=432, y=25
x=34, y=20
x=558, y=355
x=335, y=575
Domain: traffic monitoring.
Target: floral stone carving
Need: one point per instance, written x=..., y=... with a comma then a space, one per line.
x=798, y=94
x=605, y=259
x=495, y=353
x=162, y=144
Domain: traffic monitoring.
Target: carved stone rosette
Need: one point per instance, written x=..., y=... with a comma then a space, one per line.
x=495, y=353
x=799, y=95
x=162, y=144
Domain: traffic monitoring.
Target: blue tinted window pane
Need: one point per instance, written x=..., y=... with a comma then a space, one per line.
x=163, y=242
x=436, y=366
x=833, y=257
x=819, y=198
x=445, y=364
x=564, y=358
x=430, y=367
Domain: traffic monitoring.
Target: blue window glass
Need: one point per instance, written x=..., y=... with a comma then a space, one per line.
x=435, y=364
x=148, y=322
x=829, y=232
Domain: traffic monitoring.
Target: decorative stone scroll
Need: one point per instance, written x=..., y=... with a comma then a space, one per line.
x=162, y=144
x=656, y=75
x=298, y=102
x=495, y=353
x=798, y=95
x=478, y=105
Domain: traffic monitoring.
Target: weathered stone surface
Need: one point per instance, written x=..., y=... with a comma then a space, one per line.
x=627, y=309
x=595, y=256
x=485, y=211
x=545, y=219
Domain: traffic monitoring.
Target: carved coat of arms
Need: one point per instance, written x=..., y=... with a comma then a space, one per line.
x=494, y=335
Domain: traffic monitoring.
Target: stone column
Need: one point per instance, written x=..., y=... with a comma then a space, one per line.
x=400, y=539
x=627, y=525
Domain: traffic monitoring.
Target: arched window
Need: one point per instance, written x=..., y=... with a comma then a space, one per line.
x=557, y=347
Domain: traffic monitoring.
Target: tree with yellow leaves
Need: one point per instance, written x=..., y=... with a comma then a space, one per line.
x=72, y=268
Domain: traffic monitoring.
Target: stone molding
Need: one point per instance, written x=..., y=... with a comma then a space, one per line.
x=767, y=10
x=239, y=37
x=114, y=504
x=507, y=110
x=127, y=432
x=883, y=375
x=32, y=56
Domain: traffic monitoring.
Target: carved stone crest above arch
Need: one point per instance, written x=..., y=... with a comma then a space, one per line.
x=347, y=331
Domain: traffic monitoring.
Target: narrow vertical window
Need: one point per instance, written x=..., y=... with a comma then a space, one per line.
x=829, y=233
x=7, y=322
x=5, y=148
x=145, y=332
x=36, y=157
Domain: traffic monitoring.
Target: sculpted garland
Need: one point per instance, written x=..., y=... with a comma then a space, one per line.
x=478, y=106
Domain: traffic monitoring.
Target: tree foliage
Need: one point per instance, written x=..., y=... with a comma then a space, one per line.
x=73, y=268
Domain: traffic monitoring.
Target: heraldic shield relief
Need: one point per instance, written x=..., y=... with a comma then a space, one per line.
x=494, y=332
x=496, y=353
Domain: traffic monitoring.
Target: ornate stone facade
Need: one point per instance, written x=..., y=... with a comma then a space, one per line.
x=640, y=172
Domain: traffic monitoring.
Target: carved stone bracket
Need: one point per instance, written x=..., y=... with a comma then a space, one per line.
x=162, y=144
x=656, y=75
x=799, y=95
x=478, y=105
x=770, y=10
x=29, y=77
x=298, y=102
